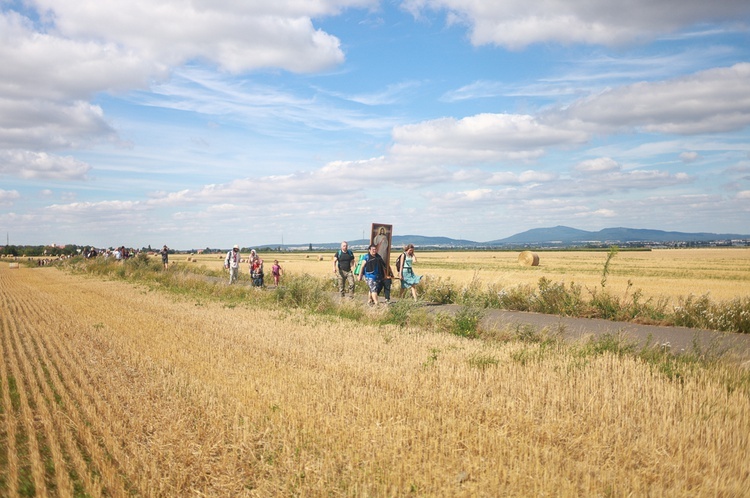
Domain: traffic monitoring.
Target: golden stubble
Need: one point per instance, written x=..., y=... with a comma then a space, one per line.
x=166, y=397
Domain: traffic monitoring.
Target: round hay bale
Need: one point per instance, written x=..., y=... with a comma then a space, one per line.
x=528, y=258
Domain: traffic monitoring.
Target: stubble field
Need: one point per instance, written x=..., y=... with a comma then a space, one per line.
x=109, y=389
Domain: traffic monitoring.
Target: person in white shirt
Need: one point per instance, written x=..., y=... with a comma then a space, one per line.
x=232, y=263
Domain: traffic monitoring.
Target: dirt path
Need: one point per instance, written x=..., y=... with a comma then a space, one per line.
x=678, y=339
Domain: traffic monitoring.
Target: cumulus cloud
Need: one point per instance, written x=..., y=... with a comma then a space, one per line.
x=517, y=23
x=39, y=65
x=598, y=165
x=40, y=165
x=711, y=101
x=483, y=137
x=63, y=54
x=689, y=157
x=8, y=196
x=47, y=125
x=235, y=36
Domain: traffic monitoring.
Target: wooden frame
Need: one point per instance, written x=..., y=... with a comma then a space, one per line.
x=381, y=235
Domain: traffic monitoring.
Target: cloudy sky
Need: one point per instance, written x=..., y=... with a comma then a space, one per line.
x=205, y=123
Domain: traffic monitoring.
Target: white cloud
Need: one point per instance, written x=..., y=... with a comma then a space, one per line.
x=517, y=23
x=45, y=125
x=604, y=213
x=537, y=177
x=483, y=137
x=598, y=165
x=689, y=157
x=238, y=37
x=8, y=196
x=43, y=66
x=27, y=164
x=711, y=101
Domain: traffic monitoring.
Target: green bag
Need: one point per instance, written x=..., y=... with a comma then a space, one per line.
x=359, y=264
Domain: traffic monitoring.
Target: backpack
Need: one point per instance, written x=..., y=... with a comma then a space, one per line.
x=400, y=260
x=358, y=269
x=348, y=251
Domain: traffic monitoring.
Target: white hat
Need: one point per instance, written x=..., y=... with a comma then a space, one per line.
x=236, y=246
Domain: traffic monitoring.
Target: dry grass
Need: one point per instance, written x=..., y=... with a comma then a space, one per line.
x=121, y=391
x=723, y=273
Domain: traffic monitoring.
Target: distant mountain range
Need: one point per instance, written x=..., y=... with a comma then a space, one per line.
x=567, y=235
x=559, y=236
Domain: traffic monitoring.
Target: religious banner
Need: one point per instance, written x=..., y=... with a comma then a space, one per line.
x=380, y=235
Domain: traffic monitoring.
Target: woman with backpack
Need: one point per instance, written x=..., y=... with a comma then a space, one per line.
x=409, y=280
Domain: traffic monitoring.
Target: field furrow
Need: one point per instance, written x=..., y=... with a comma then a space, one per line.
x=50, y=450
x=82, y=424
x=31, y=478
x=9, y=459
x=68, y=462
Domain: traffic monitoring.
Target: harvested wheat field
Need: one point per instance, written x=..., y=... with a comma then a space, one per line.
x=111, y=390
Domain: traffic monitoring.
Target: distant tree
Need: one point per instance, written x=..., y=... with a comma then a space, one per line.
x=310, y=248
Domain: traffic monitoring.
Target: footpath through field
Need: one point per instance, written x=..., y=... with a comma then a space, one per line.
x=677, y=339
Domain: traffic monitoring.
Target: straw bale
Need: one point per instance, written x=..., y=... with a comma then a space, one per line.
x=528, y=258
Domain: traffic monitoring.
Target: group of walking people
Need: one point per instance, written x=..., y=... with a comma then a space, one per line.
x=255, y=266
x=370, y=267
x=376, y=272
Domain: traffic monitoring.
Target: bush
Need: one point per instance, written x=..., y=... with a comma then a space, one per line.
x=464, y=323
x=400, y=313
x=556, y=299
x=700, y=312
x=519, y=298
x=475, y=295
x=438, y=291
x=305, y=292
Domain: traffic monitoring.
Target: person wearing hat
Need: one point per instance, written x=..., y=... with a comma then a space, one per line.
x=165, y=256
x=232, y=263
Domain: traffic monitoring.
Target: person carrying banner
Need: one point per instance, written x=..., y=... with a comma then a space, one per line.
x=374, y=272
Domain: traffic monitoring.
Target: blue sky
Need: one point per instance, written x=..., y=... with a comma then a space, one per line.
x=208, y=123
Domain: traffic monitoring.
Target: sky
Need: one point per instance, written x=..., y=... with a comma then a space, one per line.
x=209, y=123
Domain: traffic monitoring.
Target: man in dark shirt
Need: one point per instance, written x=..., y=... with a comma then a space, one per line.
x=343, y=263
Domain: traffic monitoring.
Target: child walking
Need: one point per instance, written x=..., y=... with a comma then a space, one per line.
x=276, y=271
